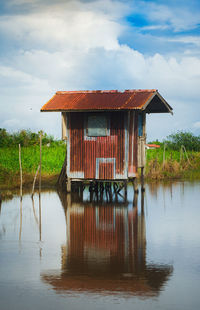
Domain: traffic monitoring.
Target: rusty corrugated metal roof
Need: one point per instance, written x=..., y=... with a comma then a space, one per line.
x=101, y=100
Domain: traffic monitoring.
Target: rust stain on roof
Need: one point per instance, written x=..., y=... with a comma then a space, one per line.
x=88, y=100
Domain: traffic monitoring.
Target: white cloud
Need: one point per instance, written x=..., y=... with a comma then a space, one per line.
x=155, y=27
x=195, y=40
x=72, y=24
x=75, y=45
x=178, y=17
x=197, y=125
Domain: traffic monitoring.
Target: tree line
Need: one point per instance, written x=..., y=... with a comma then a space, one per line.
x=25, y=138
x=28, y=138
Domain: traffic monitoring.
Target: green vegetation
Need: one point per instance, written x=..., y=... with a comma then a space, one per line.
x=177, y=157
x=171, y=160
x=25, y=138
x=176, y=140
x=190, y=142
x=52, y=161
x=53, y=153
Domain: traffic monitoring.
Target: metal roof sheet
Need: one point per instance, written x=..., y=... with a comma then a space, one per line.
x=100, y=100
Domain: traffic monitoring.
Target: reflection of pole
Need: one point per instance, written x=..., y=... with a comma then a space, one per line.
x=142, y=203
x=35, y=216
x=67, y=217
x=142, y=235
x=40, y=162
x=40, y=217
x=142, y=179
x=20, y=229
x=126, y=232
x=34, y=181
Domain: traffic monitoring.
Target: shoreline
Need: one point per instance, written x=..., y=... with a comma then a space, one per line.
x=12, y=183
x=48, y=186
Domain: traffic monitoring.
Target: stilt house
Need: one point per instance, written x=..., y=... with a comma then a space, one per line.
x=105, y=131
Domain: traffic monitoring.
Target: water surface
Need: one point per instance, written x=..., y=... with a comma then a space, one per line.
x=65, y=252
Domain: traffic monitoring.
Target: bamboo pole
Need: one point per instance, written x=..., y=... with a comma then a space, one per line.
x=184, y=150
x=181, y=154
x=20, y=168
x=40, y=212
x=164, y=154
x=40, y=162
x=33, y=188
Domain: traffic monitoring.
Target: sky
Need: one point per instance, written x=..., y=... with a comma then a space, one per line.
x=51, y=45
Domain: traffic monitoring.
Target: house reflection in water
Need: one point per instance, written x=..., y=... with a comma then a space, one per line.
x=105, y=252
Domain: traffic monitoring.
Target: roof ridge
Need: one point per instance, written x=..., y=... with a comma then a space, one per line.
x=104, y=91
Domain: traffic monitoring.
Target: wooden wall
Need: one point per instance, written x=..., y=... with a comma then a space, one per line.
x=114, y=156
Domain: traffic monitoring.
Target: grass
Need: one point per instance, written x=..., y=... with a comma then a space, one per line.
x=173, y=165
x=52, y=161
x=53, y=156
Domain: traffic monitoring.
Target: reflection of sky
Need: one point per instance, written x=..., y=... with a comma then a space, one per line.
x=173, y=216
x=24, y=255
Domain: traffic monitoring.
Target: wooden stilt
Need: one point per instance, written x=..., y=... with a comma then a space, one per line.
x=69, y=185
x=125, y=190
x=135, y=185
x=81, y=191
x=142, y=179
x=69, y=200
x=110, y=192
x=135, y=199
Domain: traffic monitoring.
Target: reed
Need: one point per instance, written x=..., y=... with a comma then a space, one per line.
x=174, y=165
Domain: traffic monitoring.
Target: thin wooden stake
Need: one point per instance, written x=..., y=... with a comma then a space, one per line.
x=184, y=149
x=40, y=213
x=34, y=181
x=164, y=154
x=40, y=162
x=20, y=168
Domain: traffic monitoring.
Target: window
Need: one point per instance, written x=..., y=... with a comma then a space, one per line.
x=140, y=125
x=97, y=125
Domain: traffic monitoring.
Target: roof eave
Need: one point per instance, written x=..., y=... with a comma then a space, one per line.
x=91, y=110
x=169, y=108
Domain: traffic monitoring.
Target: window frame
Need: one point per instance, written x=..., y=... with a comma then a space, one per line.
x=107, y=129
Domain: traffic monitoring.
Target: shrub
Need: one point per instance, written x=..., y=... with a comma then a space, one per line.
x=25, y=138
x=190, y=141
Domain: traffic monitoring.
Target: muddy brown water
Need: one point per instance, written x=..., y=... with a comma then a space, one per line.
x=68, y=252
